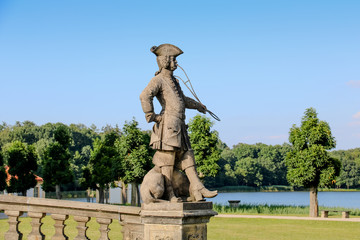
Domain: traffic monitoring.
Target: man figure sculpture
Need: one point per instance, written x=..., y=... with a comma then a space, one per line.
x=169, y=134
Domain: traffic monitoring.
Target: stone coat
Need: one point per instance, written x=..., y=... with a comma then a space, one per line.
x=170, y=134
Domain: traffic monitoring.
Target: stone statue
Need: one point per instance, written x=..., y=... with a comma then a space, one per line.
x=169, y=136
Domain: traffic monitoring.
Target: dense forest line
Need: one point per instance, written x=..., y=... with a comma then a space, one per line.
x=252, y=165
x=259, y=165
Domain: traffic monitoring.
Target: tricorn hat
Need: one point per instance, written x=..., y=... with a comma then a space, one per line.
x=166, y=50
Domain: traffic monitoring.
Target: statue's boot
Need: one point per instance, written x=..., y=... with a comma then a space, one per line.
x=197, y=189
x=207, y=193
x=202, y=193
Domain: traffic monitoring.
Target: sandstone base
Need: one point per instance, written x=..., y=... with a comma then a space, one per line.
x=176, y=221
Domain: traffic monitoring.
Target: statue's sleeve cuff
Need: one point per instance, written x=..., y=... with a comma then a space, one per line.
x=150, y=116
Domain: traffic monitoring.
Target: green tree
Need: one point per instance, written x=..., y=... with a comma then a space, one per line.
x=2, y=173
x=21, y=159
x=82, y=136
x=205, y=144
x=350, y=173
x=56, y=165
x=350, y=167
x=243, y=150
x=272, y=161
x=253, y=165
x=135, y=158
x=26, y=132
x=309, y=163
x=4, y=134
x=226, y=175
x=249, y=172
x=99, y=172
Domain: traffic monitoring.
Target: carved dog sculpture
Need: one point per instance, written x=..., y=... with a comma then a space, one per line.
x=153, y=186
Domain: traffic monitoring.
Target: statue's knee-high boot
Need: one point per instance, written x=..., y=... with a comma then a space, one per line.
x=197, y=188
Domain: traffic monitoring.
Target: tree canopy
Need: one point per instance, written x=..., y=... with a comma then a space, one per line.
x=99, y=172
x=251, y=165
x=21, y=159
x=56, y=165
x=3, y=175
x=350, y=168
x=309, y=164
x=204, y=142
x=135, y=157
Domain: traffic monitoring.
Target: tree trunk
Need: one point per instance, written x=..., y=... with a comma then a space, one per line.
x=314, y=207
x=133, y=194
x=101, y=194
x=123, y=193
x=88, y=195
x=23, y=193
x=107, y=194
x=137, y=195
x=58, y=191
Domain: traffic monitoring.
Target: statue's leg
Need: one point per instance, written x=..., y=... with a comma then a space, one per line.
x=167, y=171
x=165, y=160
x=197, y=188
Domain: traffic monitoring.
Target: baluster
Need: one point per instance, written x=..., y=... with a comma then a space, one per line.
x=36, y=233
x=104, y=227
x=81, y=227
x=13, y=233
x=59, y=226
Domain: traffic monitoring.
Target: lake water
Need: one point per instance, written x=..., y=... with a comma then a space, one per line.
x=327, y=199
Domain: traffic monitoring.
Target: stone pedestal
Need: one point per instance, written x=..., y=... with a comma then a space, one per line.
x=176, y=221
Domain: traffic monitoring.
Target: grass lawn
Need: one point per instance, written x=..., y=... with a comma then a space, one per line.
x=279, y=229
x=226, y=228
x=281, y=210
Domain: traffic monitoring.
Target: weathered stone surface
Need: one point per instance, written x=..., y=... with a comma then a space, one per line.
x=177, y=221
x=36, y=233
x=30, y=204
x=36, y=208
x=13, y=233
x=165, y=220
x=169, y=135
x=59, y=226
x=81, y=227
x=104, y=227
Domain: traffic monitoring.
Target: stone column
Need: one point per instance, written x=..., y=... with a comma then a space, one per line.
x=59, y=226
x=104, y=227
x=81, y=227
x=13, y=233
x=36, y=218
x=176, y=221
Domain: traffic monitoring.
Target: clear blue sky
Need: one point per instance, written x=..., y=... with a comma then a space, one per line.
x=256, y=64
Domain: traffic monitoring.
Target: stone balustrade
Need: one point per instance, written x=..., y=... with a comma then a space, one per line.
x=153, y=221
x=60, y=210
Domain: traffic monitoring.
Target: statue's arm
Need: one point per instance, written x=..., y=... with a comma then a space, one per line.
x=192, y=104
x=146, y=98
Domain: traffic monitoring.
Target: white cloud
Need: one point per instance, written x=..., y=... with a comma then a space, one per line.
x=354, y=124
x=277, y=137
x=357, y=135
x=356, y=115
x=354, y=83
